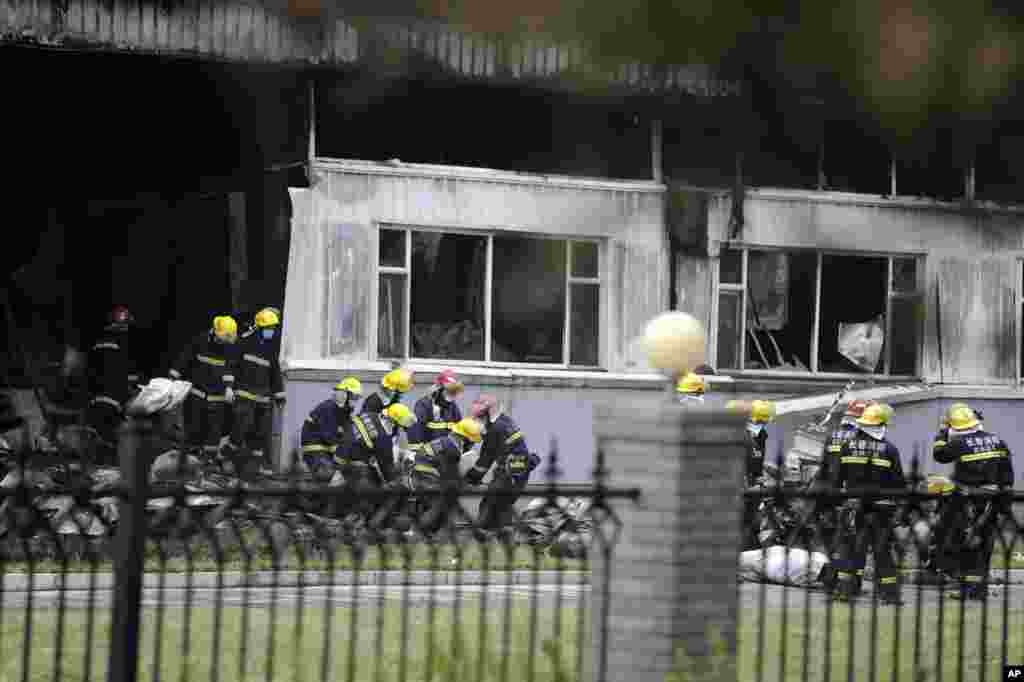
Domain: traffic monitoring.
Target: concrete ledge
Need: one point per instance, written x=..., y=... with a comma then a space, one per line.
x=42, y=582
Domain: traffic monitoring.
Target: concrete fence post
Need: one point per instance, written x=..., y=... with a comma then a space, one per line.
x=671, y=580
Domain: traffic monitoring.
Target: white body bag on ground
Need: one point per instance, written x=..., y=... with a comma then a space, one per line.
x=781, y=566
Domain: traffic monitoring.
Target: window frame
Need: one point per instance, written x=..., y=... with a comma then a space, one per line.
x=1019, y=320
x=489, y=235
x=741, y=288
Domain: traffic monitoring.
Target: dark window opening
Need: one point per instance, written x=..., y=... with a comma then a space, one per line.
x=856, y=159
x=452, y=122
x=447, y=313
x=780, y=310
x=930, y=167
x=999, y=166
x=853, y=308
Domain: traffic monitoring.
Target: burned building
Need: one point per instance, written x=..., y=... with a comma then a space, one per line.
x=418, y=194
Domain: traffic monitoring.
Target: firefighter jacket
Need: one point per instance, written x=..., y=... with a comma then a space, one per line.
x=113, y=367
x=866, y=462
x=257, y=370
x=504, y=443
x=369, y=442
x=208, y=364
x=325, y=427
x=440, y=457
x=981, y=458
x=830, y=454
x=434, y=419
x=374, y=404
x=940, y=443
x=756, y=445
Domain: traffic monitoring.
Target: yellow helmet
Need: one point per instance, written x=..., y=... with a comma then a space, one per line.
x=225, y=327
x=399, y=380
x=400, y=414
x=267, y=318
x=690, y=383
x=762, y=411
x=350, y=384
x=469, y=428
x=962, y=417
x=877, y=414
x=940, y=485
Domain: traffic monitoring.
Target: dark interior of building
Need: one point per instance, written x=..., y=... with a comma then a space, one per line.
x=128, y=172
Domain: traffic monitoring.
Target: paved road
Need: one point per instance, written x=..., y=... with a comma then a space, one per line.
x=775, y=596
x=287, y=597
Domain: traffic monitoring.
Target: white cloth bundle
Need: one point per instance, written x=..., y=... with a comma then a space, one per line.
x=776, y=565
x=160, y=395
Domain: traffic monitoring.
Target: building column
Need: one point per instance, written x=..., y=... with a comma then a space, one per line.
x=238, y=248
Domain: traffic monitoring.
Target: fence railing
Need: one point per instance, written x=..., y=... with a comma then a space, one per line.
x=106, y=574
x=938, y=598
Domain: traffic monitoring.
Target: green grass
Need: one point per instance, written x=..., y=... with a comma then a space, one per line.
x=296, y=644
x=834, y=650
x=293, y=647
x=393, y=558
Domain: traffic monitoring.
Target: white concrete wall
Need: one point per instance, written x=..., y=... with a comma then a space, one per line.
x=970, y=255
x=332, y=265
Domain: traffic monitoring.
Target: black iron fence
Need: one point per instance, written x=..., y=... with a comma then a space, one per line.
x=108, y=574
x=923, y=583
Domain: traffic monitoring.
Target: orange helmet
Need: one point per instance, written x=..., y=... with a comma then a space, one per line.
x=855, y=408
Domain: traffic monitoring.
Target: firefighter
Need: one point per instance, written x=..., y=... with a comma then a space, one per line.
x=868, y=460
x=437, y=466
x=982, y=469
x=258, y=386
x=505, y=447
x=207, y=362
x=328, y=426
x=690, y=389
x=761, y=414
x=830, y=453
x=372, y=439
x=437, y=412
x=114, y=376
x=394, y=384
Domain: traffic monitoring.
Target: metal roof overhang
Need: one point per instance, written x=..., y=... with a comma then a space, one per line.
x=267, y=33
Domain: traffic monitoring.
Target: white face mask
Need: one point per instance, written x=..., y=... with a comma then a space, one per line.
x=754, y=428
x=876, y=432
x=341, y=398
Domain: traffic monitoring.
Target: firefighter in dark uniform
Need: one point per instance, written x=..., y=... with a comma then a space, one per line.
x=505, y=447
x=328, y=428
x=437, y=412
x=982, y=469
x=258, y=386
x=868, y=461
x=437, y=466
x=114, y=376
x=207, y=362
x=761, y=414
x=372, y=441
x=830, y=454
x=394, y=384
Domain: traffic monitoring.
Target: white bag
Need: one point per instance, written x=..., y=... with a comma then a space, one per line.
x=775, y=565
x=160, y=395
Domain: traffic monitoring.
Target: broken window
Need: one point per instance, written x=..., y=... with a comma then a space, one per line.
x=779, y=321
x=542, y=304
x=815, y=312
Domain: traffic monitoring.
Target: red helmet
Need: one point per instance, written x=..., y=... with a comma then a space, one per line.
x=855, y=408
x=121, y=315
x=448, y=381
x=485, y=405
